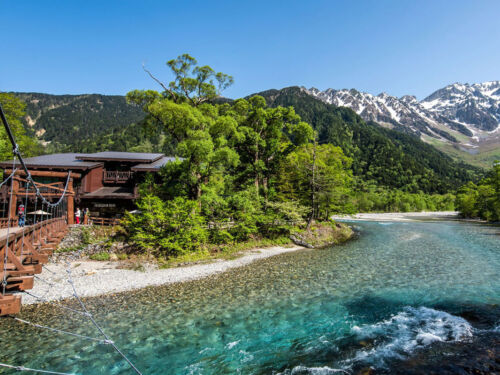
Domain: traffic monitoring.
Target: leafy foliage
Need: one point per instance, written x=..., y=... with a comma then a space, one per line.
x=250, y=170
x=169, y=228
x=317, y=177
x=14, y=110
x=382, y=200
x=194, y=83
x=231, y=155
x=386, y=157
x=68, y=121
x=481, y=200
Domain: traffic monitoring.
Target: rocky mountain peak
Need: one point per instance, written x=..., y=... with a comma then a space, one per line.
x=470, y=109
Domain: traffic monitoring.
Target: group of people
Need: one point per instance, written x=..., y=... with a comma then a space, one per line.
x=82, y=217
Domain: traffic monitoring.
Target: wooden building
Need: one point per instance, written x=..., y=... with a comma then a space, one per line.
x=104, y=182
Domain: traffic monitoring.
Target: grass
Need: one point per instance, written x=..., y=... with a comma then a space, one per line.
x=102, y=256
x=122, y=256
x=321, y=234
x=69, y=249
x=484, y=158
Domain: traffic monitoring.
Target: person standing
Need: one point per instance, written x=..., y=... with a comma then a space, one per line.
x=21, y=216
x=77, y=215
x=86, y=214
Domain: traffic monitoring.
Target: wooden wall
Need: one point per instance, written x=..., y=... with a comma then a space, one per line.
x=93, y=180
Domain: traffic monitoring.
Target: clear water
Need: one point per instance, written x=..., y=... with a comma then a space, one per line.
x=396, y=290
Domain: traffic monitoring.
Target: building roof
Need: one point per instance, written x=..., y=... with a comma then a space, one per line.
x=155, y=166
x=111, y=192
x=138, y=157
x=148, y=162
x=67, y=161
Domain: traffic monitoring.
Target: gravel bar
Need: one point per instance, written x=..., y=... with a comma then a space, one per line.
x=93, y=278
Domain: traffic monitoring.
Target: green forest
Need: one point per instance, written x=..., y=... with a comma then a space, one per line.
x=259, y=167
x=14, y=110
x=267, y=164
x=64, y=123
x=481, y=200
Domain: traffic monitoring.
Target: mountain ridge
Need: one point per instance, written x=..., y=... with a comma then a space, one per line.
x=464, y=114
x=66, y=122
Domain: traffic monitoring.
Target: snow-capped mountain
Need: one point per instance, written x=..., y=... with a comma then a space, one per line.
x=472, y=110
x=476, y=105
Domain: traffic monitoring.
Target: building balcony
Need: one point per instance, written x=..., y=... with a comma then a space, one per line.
x=117, y=177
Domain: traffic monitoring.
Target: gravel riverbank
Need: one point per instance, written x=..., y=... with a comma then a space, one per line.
x=401, y=216
x=93, y=278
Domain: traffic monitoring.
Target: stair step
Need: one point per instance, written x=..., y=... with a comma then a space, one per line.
x=10, y=304
x=19, y=283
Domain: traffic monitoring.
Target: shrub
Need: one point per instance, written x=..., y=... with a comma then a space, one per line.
x=168, y=228
x=102, y=256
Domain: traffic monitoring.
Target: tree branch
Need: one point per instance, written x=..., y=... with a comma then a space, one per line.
x=159, y=82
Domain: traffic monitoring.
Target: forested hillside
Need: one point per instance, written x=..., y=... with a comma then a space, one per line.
x=386, y=157
x=381, y=157
x=66, y=120
x=482, y=200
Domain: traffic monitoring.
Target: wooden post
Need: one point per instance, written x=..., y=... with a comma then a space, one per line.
x=13, y=202
x=71, y=203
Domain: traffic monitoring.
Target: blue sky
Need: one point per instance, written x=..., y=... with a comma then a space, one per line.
x=400, y=47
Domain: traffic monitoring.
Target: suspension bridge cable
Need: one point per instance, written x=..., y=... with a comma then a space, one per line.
x=44, y=281
x=17, y=153
x=56, y=303
x=8, y=178
x=70, y=280
x=22, y=368
x=100, y=341
x=4, y=282
x=49, y=270
x=25, y=212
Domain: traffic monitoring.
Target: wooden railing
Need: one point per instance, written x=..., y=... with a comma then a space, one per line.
x=117, y=176
x=104, y=221
x=4, y=222
x=26, y=250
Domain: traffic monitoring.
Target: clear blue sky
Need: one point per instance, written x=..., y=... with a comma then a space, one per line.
x=400, y=47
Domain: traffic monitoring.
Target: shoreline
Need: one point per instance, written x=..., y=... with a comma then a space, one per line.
x=401, y=216
x=96, y=278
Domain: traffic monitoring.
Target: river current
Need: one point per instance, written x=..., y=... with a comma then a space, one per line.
x=405, y=298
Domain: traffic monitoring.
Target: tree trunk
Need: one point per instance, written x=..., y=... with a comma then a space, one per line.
x=313, y=188
x=256, y=161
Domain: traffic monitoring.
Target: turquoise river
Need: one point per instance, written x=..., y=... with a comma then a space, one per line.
x=407, y=298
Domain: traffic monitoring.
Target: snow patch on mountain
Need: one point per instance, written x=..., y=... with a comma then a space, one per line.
x=458, y=108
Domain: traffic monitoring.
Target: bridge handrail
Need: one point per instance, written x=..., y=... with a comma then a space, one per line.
x=28, y=229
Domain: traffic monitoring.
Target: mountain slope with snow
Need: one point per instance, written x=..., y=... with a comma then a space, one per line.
x=476, y=105
x=464, y=116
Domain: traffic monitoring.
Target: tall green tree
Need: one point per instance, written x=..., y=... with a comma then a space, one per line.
x=14, y=110
x=481, y=200
x=268, y=135
x=317, y=176
x=193, y=83
x=201, y=135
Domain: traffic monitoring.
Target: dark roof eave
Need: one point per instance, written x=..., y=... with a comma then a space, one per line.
x=145, y=169
x=130, y=197
x=131, y=160
x=45, y=166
